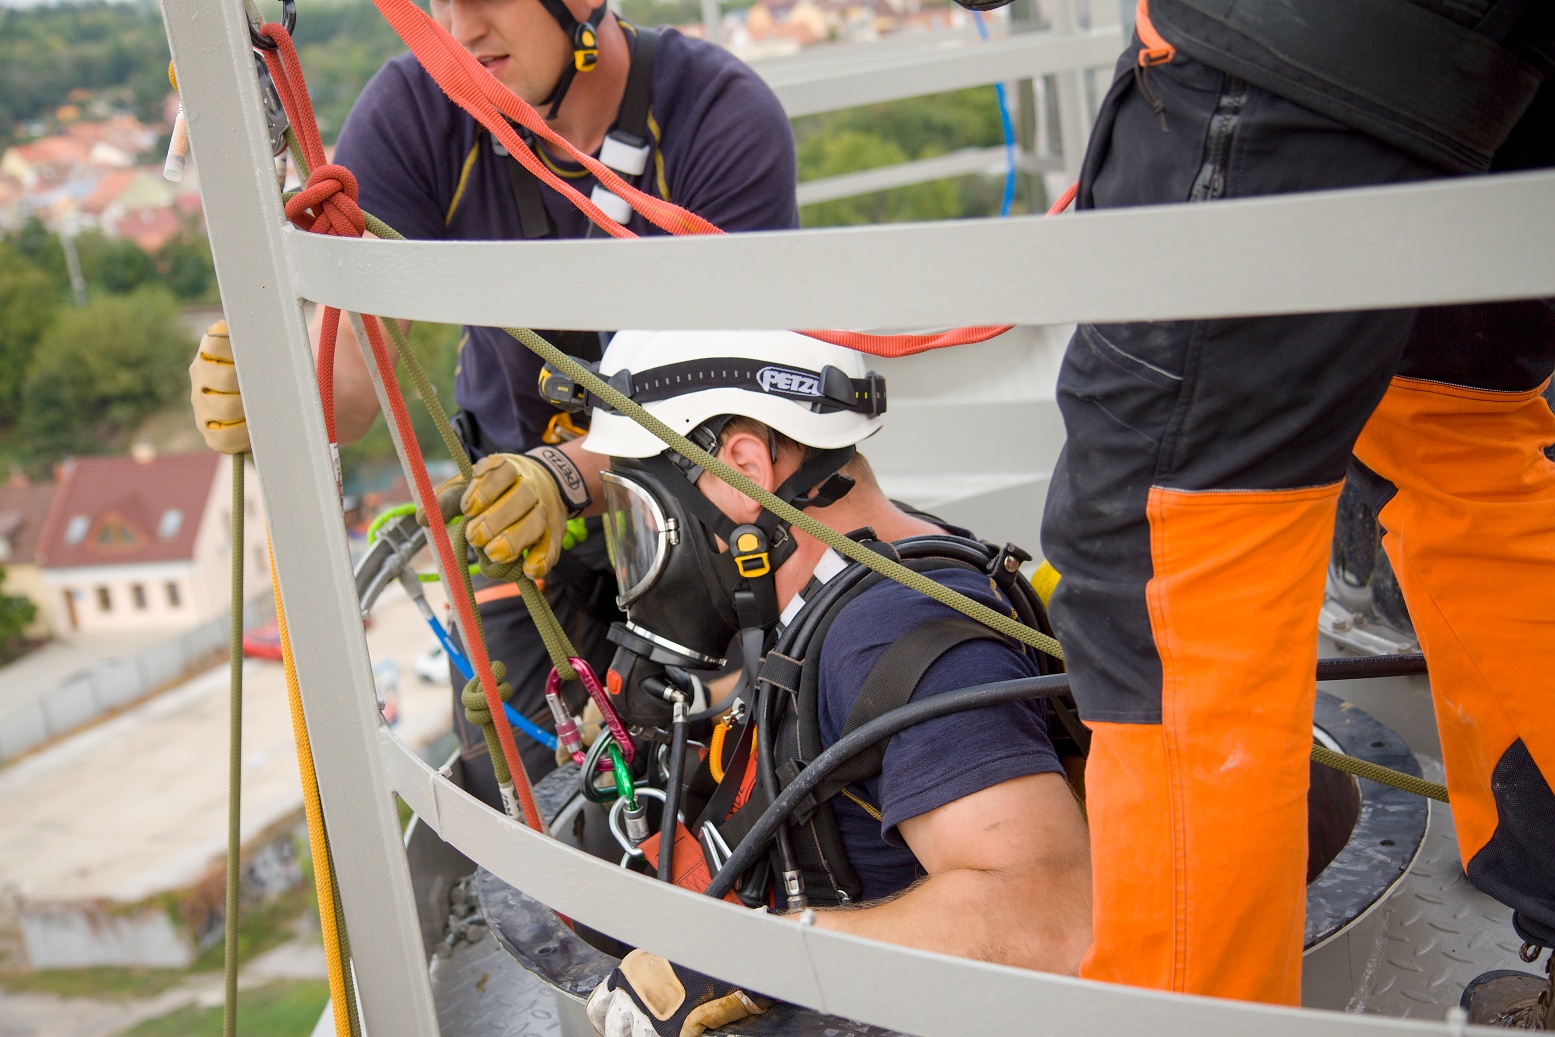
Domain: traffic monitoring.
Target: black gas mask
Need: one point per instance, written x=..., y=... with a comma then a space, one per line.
x=685, y=597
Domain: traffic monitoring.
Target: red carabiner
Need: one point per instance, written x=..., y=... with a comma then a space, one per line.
x=567, y=728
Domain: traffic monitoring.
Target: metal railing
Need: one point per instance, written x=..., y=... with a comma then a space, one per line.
x=81, y=699
x=1491, y=238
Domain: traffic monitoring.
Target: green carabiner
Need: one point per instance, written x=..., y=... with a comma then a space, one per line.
x=624, y=787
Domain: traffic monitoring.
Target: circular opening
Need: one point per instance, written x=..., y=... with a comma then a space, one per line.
x=1379, y=745
x=1387, y=842
x=1333, y=806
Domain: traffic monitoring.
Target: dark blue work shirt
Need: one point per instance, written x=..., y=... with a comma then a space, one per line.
x=722, y=147
x=939, y=761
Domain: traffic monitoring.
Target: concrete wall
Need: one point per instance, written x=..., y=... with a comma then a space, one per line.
x=149, y=935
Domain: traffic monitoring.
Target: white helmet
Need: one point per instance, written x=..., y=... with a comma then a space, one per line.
x=813, y=392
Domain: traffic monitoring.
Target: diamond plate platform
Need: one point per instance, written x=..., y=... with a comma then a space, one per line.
x=481, y=991
x=1435, y=933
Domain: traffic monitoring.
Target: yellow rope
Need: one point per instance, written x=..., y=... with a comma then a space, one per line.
x=342, y=997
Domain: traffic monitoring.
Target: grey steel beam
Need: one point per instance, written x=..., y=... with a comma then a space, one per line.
x=908, y=990
x=275, y=366
x=1459, y=240
x=883, y=178
x=859, y=75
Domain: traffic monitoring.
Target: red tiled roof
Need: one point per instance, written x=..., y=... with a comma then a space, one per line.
x=23, y=510
x=150, y=228
x=122, y=503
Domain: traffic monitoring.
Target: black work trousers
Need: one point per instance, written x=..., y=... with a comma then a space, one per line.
x=1191, y=516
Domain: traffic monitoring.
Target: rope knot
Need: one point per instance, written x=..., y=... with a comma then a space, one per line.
x=473, y=698
x=328, y=204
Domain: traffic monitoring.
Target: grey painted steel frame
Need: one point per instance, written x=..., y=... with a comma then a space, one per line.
x=855, y=76
x=908, y=990
x=275, y=366
x=1449, y=241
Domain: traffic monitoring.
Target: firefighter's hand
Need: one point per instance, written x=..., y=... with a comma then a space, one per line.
x=516, y=509
x=647, y=996
x=213, y=382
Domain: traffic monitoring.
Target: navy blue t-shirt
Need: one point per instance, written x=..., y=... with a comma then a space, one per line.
x=939, y=761
x=722, y=147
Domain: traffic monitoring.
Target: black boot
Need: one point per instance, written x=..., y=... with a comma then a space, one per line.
x=1515, y=1000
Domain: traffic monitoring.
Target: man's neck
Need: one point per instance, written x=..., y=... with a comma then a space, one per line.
x=591, y=104
x=864, y=506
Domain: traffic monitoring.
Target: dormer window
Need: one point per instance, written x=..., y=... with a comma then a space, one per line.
x=172, y=521
x=115, y=535
x=75, y=529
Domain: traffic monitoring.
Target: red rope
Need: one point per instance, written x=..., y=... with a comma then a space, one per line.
x=327, y=205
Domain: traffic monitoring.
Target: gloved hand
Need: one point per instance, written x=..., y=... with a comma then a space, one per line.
x=218, y=407
x=518, y=505
x=647, y=996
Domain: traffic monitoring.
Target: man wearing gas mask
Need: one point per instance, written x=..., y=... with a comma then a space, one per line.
x=963, y=837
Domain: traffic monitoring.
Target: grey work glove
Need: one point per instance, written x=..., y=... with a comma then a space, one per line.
x=213, y=389
x=647, y=996
x=517, y=506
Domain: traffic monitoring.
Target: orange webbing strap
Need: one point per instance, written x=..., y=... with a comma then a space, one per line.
x=477, y=91
x=1156, y=50
x=330, y=201
x=469, y=85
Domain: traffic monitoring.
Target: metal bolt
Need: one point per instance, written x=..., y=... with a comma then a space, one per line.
x=1011, y=564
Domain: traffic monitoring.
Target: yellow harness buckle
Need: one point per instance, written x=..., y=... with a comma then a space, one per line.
x=750, y=559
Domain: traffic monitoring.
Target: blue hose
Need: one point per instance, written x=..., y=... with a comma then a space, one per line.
x=1008, y=125
x=517, y=719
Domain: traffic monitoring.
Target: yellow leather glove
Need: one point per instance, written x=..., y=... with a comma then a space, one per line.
x=647, y=996
x=516, y=508
x=218, y=406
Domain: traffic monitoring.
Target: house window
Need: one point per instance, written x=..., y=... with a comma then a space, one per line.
x=115, y=535
x=75, y=530
x=172, y=521
x=138, y=595
x=173, y=600
x=104, y=600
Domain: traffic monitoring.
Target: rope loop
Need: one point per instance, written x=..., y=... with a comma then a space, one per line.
x=327, y=205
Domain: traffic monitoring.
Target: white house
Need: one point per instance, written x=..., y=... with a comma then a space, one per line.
x=143, y=542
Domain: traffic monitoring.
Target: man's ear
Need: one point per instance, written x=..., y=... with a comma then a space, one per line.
x=750, y=456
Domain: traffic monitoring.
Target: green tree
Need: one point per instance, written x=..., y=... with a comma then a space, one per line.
x=29, y=301
x=115, y=265
x=186, y=267
x=437, y=347
x=100, y=370
x=852, y=150
x=16, y=612
x=40, y=247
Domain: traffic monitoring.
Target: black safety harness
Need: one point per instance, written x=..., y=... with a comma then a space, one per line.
x=786, y=702
x=627, y=150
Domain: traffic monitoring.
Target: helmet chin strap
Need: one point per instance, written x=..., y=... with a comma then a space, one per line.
x=585, y=49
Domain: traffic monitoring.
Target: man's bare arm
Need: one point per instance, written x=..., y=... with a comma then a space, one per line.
x=1009, y=880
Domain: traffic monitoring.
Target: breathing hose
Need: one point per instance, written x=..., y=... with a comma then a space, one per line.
x=774, y=819
x=669, y=825
x=1345, y=668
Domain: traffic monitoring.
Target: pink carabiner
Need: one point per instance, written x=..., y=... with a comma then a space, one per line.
x=567, y=728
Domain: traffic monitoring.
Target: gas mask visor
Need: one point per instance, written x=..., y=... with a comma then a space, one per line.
x=638, y=535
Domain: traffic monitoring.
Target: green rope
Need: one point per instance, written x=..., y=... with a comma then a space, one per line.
x=229, y=1019
x=344, y=941
x=1378, y=773
x=428, y=394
